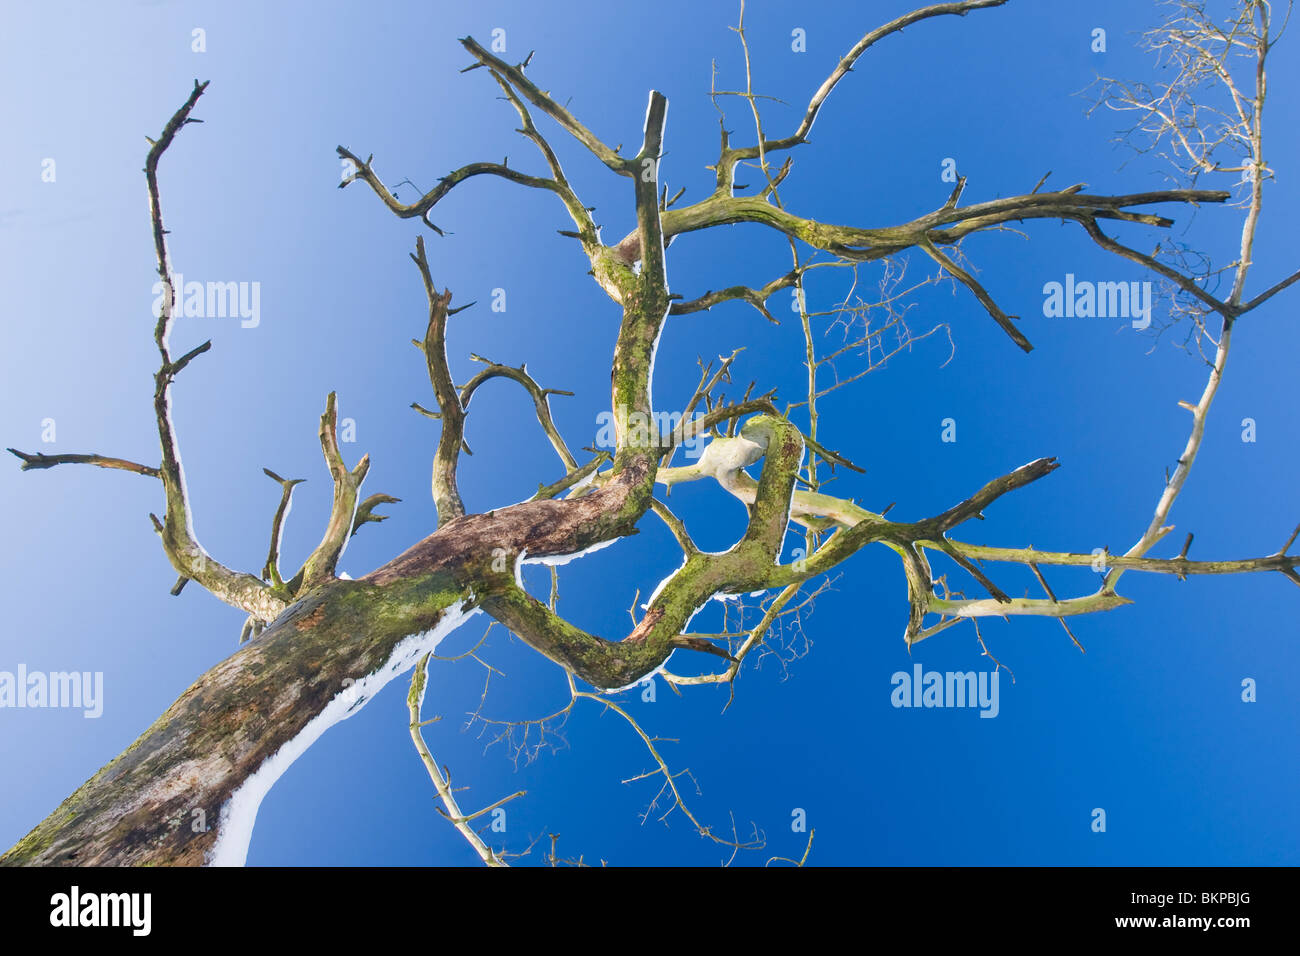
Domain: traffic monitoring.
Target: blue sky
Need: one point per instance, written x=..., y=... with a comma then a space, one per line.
x=1148, y=725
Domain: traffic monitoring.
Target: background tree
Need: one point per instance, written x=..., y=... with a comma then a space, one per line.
x=319, y=645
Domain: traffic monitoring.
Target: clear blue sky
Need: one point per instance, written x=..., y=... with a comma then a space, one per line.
x=1148, y=724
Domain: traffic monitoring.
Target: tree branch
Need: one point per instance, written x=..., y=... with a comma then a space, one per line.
x=446, y=495
x=543, y=101
x=539, y=395
x=755, y=297
x=321, y=564
x=271, y=571
x=365, y=510
x=39, y=461
x=845, y=66
x=176, y=530
x=424, y=205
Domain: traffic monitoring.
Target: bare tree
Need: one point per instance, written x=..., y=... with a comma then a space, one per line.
x=316, y=646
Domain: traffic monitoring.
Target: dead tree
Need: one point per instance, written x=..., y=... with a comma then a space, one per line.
x=316, y=645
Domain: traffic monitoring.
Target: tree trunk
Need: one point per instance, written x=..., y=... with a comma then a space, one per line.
x=187, y=791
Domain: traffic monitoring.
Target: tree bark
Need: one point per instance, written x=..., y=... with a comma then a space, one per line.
x=186, y=792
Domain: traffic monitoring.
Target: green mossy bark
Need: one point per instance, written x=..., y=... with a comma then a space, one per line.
x=141, y=808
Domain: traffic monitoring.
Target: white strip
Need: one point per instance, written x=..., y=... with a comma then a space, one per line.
x=235, y=825
x=662, y=584
x=557, y=560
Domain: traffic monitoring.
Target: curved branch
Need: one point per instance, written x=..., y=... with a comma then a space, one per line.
x=845, y=66
x=183, y=550
x=539, y=395
x=748, y=564
x=366, y=510
x=424, y=205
